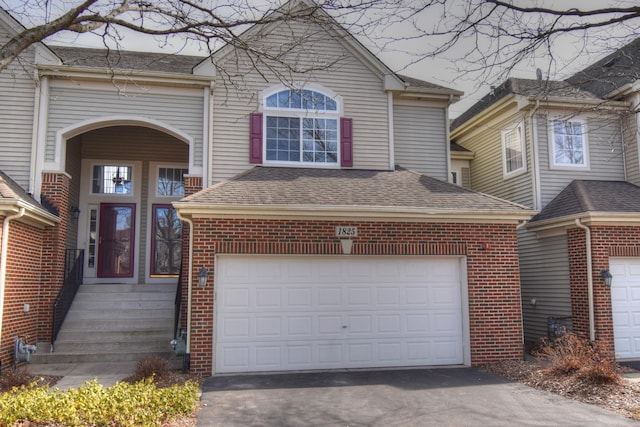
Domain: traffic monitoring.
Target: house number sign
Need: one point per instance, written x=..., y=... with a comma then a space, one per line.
x=346, y=231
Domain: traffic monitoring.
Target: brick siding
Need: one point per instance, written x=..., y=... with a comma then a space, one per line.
x=22, y=287
x=490, y=250
x=606, y=241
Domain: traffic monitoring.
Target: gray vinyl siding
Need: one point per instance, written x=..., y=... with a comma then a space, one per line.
x=420, y=139
x=238, y=93
x=544, y=276
x=631, y=148
x=70, y=106
x=605, y=156
x=487, y=166
x=17, y=99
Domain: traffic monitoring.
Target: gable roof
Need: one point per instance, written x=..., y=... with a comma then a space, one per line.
x=126, y=60
x=582, y=196
x=13, y=197
x=317, y=192
x=612, y=72
x=525, y=87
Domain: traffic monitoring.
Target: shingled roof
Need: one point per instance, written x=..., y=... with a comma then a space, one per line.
x=422, y=84
x=526, y=87
x=339, y=188
x=582, y=196
x=612, y=72
x=126, y=60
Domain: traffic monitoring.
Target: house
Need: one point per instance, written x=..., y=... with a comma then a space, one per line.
x=568, y=149
x=320, y=231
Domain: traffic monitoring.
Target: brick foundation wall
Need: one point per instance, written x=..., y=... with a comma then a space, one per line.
x=55, y=189
x=22, y=287
x=606, y=241
x=490, y=250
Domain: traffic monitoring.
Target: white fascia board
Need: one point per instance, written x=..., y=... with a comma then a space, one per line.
x=358, y=212
x=45, y=56
x=592, y=218
x=462, y=155
x=578, y=104
x=99, y=74
x=33, y=215
x=487, y=115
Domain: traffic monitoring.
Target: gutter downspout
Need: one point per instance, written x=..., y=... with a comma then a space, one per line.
x=592, y=326
x=3, y=261
x=187, y=362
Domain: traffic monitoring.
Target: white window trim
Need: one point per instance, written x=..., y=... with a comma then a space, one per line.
x=510, y=174
x=301, y=114
x=134, y=184
x=585, y=140
x=158, y=166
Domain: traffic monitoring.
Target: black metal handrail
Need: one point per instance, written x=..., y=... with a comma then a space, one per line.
x=73, y=273
x=178, y=305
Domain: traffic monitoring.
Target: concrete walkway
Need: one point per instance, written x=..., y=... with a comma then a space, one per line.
x=77, y=374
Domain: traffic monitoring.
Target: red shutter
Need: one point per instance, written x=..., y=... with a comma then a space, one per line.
x=255, y=138
x=346, y=142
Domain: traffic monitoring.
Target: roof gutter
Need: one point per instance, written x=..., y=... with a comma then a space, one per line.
x=189, y=288
x=368, y=212
x=587, y=236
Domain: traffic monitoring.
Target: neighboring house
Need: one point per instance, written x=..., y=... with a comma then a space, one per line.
x=569, y=149
x=307, y=246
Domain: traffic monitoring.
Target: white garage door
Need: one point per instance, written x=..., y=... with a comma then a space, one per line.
x=325, y=312
x=625, y=306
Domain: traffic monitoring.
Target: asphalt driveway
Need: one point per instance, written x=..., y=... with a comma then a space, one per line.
x=417, y=397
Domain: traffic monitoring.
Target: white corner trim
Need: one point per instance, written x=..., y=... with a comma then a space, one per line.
x=392, y=143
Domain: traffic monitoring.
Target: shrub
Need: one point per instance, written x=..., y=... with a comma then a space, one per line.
x=139, y=404
x=154, y=367
x=14, y=377
x=573, y=355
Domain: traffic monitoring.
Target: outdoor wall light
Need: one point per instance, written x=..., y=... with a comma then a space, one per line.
x=74, y=213
x=203, y=274
x=606, y=276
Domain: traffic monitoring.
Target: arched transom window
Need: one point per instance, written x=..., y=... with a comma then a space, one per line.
x=301, y=126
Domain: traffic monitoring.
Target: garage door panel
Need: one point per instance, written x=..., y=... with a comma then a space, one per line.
x=336, y=312
x=625, y=306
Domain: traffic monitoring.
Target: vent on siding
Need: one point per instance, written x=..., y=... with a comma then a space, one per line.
x=466, y=177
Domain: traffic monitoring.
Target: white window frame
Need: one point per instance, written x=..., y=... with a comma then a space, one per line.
x=132, y=179
x=505, y=172
x=301, y=114
x=585, y=144
x=157, y=178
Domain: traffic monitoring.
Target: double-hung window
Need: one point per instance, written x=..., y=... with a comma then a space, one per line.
x=301, y=126
x=568, y=143
x=513, y=151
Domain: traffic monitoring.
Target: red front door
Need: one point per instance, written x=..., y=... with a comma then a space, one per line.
x=116, y=239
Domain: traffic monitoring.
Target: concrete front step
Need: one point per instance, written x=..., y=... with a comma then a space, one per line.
x=46, y=358
x=132, y=335
x=159, y=346
x=115, y=323
x=114, y=313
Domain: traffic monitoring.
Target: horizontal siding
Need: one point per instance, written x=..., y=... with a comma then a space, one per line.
x=605, y=156
x=237, y=94
x=544, y=276
x=487, y=165
x=70, y=106
x=420, y=139
x=17, y=98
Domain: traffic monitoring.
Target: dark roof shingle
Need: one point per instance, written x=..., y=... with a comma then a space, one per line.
x=126, y=60
x=611, y=72
x=526, y=87
x=347, y=188
x=11, y=191
x=592, y=196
